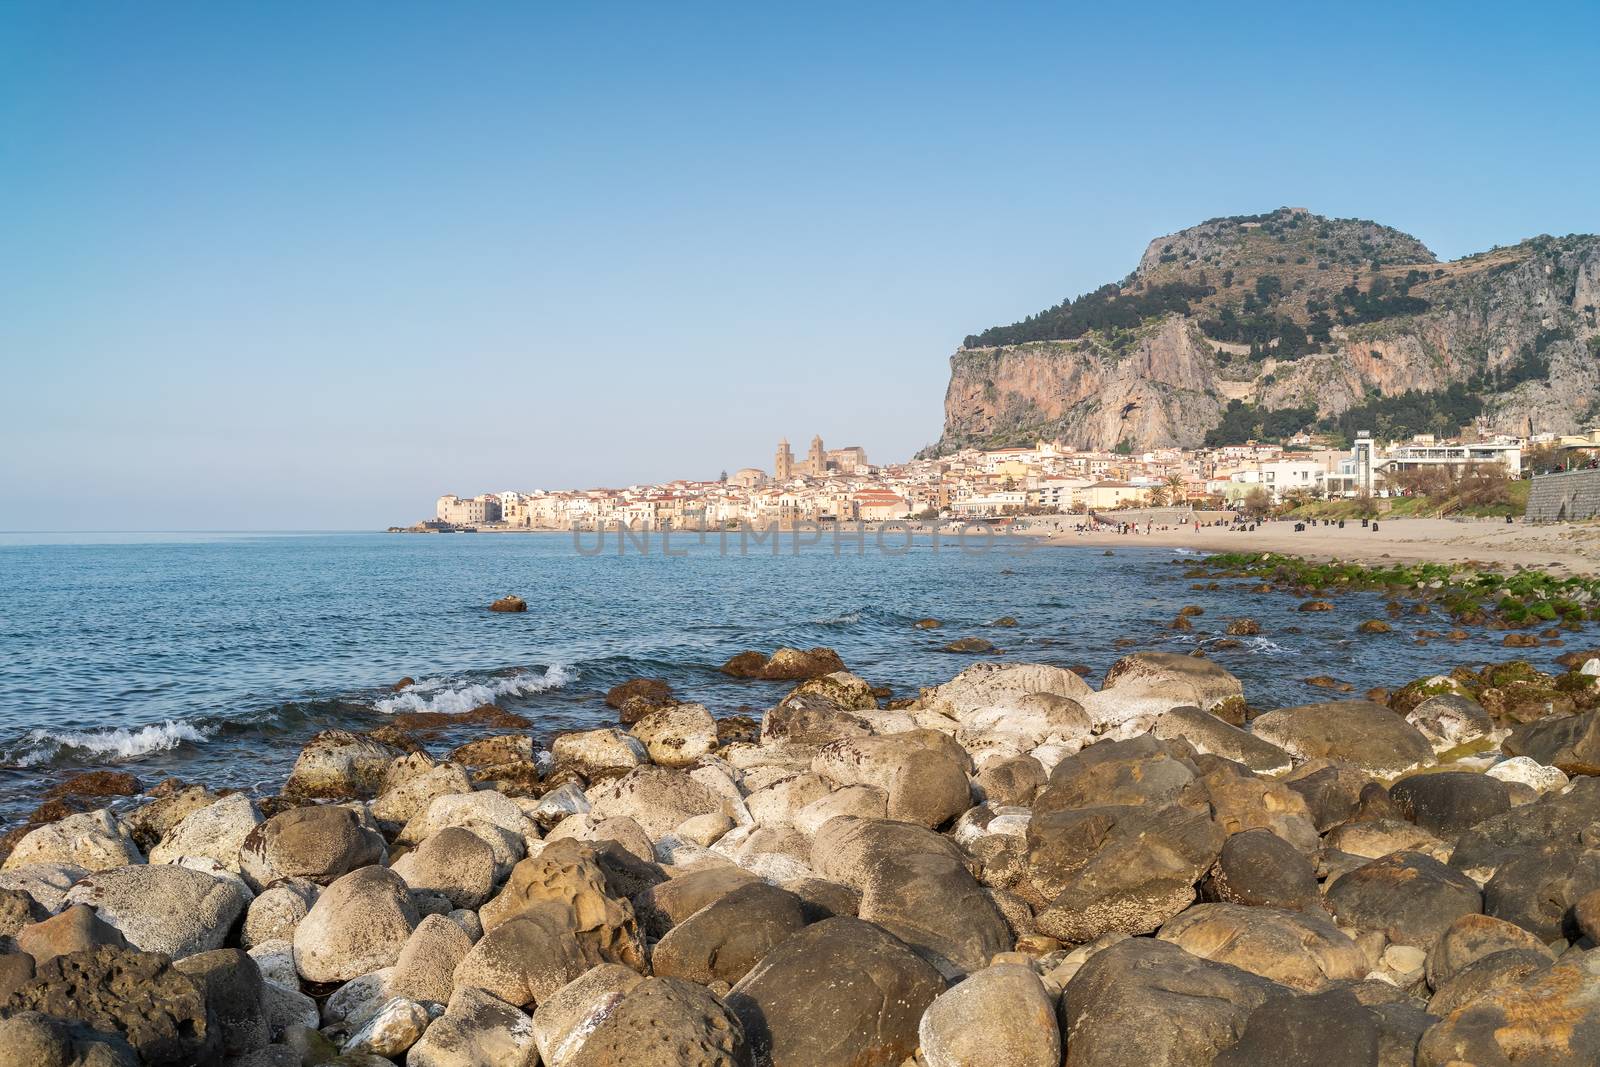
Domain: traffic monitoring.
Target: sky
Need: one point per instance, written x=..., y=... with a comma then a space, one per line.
x=308, y=266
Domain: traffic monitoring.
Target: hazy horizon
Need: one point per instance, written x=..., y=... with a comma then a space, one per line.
x=291, y=267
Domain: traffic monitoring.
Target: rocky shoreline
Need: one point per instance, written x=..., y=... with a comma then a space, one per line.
x=1013, y=868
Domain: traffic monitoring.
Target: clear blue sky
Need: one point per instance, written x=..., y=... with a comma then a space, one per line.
x=289, y=265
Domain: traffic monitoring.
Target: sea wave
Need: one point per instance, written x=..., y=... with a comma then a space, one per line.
x=452, y=696
x=119, y=743
x=849, y=618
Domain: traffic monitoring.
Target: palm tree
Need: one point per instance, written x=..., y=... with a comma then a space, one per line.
x=1176, y=487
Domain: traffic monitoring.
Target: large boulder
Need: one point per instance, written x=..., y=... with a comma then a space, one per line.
x=1368, y=735
x=985, y=685
x=638, y=697
x=1143, y=1002
x=1142, y=873
x=1185, y=679
x=915, y=884
x=1549, y=1020
x=526, y=958
x=358, y=924
x=1447, y=802
x=663, y=906
x=317, y=843
x=1242, y=801
x=1303, y=950
x=841, y=689
x=657, y=798
x=1558, y=819
x=1330, y=1027
x=411, y=784
x=136, y=996
x=455, y=863
x=235, y=996
x=1570, y=743
x=568, y=875
x=216, y=832
x=1538, y=888
x=842, y=991
x=677, y=736
x=660, y=1014
x=1141, y=770
x=565, y=1019
x=276, y=911
x=1472, y=938
x=1260, y=869
x=29, y=1039
x=724, y=939
x=425, y=968
x=163, y=908
x=1210, y=735
x=339, y=765
x=91, y=840
x=1409, y=897
x=924, y=781
x=76, y=929
x=784, y=665
x=595, y=752
x=1001, y=1016
x=493, y=816
x=477, y=1029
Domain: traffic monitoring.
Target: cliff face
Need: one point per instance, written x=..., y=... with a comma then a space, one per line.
x=1294, y=311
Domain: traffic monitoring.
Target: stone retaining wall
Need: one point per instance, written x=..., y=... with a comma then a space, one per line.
x=1562, y=497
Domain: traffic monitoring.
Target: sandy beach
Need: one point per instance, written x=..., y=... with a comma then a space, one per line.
x=1570, y=547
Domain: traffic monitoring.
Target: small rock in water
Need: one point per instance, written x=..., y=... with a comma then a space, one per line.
x=509, y=603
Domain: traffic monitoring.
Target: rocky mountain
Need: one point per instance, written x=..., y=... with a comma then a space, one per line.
x=1259, y=326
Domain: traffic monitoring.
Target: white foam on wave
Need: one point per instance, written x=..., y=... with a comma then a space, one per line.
x=452, y=697
x=849, y=618
x=121, y=743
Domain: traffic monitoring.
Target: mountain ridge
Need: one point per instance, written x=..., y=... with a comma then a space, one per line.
x=1242, y=322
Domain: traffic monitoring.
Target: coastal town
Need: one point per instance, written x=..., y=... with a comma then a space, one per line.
x=1049, y=478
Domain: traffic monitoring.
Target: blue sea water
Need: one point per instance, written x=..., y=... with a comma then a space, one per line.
x=214, y=656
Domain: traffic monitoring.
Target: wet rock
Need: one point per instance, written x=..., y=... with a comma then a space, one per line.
x=1410, y=897
x=1447, y=802
x=455, y=863
x=1144, y=1001
x=1374, y=626
x=841, y=689
x=677, y=736
x=785, y=664
x=924, y=782
x=870, y=989
x=660, y=1014
x=638, y=697
x=1210, y=735
x=136, y=996
x=77, y=929
x=338, y=765
x=476, y=1030
x=318, y=843
x=163, y=908
x=1472, y=937
x=1302, y=950
x=916, y=885
x=358, y=925
x=92, y=840
x=1244, y=628
x=1000, y=1016
x=657, y=798
x=1360, y=732
x=510, y=604
x=1552, y=1017
x=970, y=646
x=1260, y=869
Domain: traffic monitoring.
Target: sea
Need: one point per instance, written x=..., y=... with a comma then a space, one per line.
x=214, y=656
